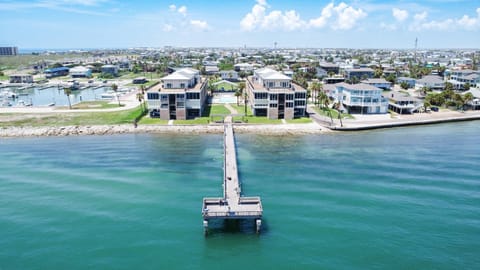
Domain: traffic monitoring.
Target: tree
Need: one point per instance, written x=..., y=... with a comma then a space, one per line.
x=115, y=89
x=68, y=91
x=404, y=85
x=426, y=105
x=467, y=98
x=140, y=98
x=316, y=88
x=238, y=94
x=466, y=86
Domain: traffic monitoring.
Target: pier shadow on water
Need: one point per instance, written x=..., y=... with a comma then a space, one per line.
x=235, y=226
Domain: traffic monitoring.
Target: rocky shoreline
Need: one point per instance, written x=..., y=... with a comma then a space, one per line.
x=285, y=129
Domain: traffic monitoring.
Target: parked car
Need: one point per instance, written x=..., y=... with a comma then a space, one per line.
x=155, y=114
x=434, y=109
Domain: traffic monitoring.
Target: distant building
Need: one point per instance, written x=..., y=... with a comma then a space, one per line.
x=244, y=67
x=8, y=50
x=361, y=98
x=110, y=69
x=21, y=78
x=380, y=83
x=211, y=69
x=56, y=72
x=359, y=73
x=431, y=82
x=181, y=95
x=330, y=67
x=80, y=72
x=273, y=94
x=229, y=75
x=408, y=80
x=333, y=80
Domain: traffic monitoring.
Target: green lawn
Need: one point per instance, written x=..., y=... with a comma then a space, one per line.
x=226, y=87
x=196, y=121
x=73, y=119
x=303, y=120
x=334, y=113
x=148, y=75
x=147, y=84
x=215, y=109
x=92, y=105
x=241, y=109
x=152, y=121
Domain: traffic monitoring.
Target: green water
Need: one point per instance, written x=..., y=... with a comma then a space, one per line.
x=404, y=198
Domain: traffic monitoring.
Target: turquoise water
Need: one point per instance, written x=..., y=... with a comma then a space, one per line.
x=404, y=198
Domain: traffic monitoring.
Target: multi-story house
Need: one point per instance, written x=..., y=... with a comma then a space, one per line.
x=21, y=78
x=181, y=95
x=359, y=73
x=460, y=77
x=361, y=98
x=272, y=94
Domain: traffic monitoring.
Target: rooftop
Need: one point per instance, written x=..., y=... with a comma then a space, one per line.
x=358, y=86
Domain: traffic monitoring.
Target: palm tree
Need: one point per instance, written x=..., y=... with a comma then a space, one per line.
x=238, y=94
x=140, y=98
x=426, y=105
x=68, y=91
x=468, y=97
x=115, y=89
x=316, y=88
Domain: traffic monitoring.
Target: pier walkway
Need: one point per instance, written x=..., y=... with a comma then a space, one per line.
x=232, y=205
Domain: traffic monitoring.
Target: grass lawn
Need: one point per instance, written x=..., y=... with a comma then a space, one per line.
x=148, y=75
x=73, y=119
x=196, y=121
x=226, y=87
x=215, y=109
x=324, y=111
x=303, y=120
x=152, y=121
x=147, y=84
x=241, y=109
x=92, y=105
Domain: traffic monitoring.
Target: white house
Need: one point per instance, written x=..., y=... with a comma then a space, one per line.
x=460, y=77
x=229, y=75
x=361, y=98
x=80, y=72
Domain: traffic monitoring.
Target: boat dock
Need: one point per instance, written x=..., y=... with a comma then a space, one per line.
x=232, y=205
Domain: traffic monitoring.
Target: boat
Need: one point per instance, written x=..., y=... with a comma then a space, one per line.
x=110, y=94
x=8, y=94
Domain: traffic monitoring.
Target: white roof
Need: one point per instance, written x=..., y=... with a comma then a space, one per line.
x=270, y=74
x=177, y=76
x=79, y=69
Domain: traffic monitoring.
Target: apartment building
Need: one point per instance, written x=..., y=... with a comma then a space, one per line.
x=272, y=94
x=181, y=95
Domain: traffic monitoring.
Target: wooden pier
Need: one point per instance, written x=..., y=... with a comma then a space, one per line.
x=232, y=205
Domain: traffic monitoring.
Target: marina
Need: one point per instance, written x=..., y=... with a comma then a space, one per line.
x=232, y=205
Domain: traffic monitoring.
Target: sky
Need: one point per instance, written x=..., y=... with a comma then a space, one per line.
x=225, y=23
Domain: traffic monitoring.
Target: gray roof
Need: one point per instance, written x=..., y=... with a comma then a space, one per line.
x=375, y=80
x=397, y=96
x=431, y=79
x=358, y=86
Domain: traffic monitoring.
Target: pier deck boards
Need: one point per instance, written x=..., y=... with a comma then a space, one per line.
x=232, y=205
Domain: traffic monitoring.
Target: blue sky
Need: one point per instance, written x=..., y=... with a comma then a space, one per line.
x=218, y=23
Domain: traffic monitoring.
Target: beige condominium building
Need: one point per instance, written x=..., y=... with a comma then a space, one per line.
x=180, y=95
x=272, y=94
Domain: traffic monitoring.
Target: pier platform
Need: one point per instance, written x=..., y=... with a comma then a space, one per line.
x=232, y=205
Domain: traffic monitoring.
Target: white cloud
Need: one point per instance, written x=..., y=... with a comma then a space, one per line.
x=389, y=27
x=324, y=16
x=199, y=25
x=345, y=17
x=400, y=15
x=172, y=7
x=182, y=10
x=464, y=23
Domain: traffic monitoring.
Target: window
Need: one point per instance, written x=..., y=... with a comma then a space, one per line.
x=164, y=98
x=153, y=96
x=289, y=97
x=285, y=84
x=180, y=97
x=168, y=85
x=182, y=85
x=193, y=95
x=271, y=84
x=261, y=95
x=300, y=95
x=273, y=97
x=180, y=104
x=299, y=102
x=289, y=104
x=273, y=105
x=164, y=106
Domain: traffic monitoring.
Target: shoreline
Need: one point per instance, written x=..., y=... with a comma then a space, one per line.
x=261, y=129
x=279, y=130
